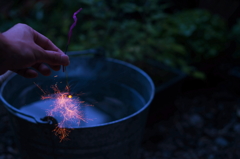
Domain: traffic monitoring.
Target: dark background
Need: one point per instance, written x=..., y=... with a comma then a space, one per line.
x=198, y=118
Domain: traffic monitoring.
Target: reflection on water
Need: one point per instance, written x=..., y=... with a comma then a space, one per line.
x=96, y=116
x=99, y=107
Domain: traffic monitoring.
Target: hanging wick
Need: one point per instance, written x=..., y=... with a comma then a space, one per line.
x=70, y=32
x=69, y=38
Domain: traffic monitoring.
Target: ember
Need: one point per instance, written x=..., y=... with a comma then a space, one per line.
x=66, y=107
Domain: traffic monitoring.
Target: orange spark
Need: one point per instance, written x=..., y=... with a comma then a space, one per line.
x=67, y=107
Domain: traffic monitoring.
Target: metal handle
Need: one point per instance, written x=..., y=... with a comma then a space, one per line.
x=38, y=121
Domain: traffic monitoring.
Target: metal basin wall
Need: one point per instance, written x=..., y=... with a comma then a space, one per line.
x=94, y=76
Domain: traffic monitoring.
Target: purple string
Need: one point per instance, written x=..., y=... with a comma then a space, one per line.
x=73, y=25
x=70, y=32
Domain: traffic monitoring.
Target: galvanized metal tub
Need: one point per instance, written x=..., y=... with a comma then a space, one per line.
x=118, y=138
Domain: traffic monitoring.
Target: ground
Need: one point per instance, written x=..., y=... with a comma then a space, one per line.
x=205, y=125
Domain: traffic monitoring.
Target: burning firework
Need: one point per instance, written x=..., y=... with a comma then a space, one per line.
x=66, y=107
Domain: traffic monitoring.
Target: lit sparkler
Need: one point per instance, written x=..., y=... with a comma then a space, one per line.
x=65, y=106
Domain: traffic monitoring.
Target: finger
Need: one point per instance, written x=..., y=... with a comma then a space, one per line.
x=42, y=68
x=51, y=57
x=26, y=72
x=44, y=42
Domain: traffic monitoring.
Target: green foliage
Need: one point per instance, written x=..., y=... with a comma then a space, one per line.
x=186, y=38
x=198, y=33
x=128, y=29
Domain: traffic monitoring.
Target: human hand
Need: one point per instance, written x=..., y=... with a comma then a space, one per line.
x=22, y=49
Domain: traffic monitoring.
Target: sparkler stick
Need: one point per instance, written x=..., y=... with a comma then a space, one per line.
x=69, y=38
x=64, y=105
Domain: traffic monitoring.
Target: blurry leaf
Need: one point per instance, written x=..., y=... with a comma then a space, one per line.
x=129, y=7
x=158, y=16
x=199, y=75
